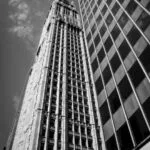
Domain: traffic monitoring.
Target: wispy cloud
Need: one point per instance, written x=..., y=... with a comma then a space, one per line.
x=16, y=102
x=23, y=15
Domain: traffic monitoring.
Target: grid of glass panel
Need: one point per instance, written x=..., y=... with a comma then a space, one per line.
x=118, y=37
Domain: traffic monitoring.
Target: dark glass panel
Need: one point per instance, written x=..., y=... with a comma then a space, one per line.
x=124, y=49
x=104, y=112
x=106, y=74
x=131, y=7
x=115, y=8
x=114, y=101
x=111, y=143
x=145, y=58
x=115, y=62
x=104, y=10
x=123, y=20
x=143, y=21
x=115, y=32
x=108, y=43
x=97, y=40
x=91, y=49
x=94, y=65
x=138, y=126
x=102, y=30
x=136, y=74
x=133, y=35
x=125, y=88
x=124, y=138
x=101, y=55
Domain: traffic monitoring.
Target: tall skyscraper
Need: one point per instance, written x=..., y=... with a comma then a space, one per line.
x=118, y=38
x=59, y=109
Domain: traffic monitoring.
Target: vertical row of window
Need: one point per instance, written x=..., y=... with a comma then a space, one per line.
x=78, y=111
x=52, y=81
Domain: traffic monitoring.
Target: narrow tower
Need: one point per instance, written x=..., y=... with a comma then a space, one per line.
x=59, y=110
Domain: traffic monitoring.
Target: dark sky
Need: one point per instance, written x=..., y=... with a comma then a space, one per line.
x=21, y=23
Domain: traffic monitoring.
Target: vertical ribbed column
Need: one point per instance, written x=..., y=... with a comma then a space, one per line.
x=58, y=91
x=40, y=108
x=55, y=25
x=64, y=103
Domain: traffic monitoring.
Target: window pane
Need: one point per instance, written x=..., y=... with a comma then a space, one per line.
x=93, y=29
x=101, y=55
x=104, y=112
x=114, y=101
x=98, y=20
x=89, y=37
x=131, y=7
x=103, y=30
x=115, y=62
x=97, y=40
x=109, y=19
x=121, y=1
x=136, y=74
x=108, y=43
x=108, y=2
x=124, y=49
x=123, y=20
x=146, y=107
x=90, y=17
x=115, y=8
x=125, y=88
x=99, y=1
x=99, y=85
x=115, y=32
x=124, y=138
x=138, y=126
x=104, y=10
x=145, y=58
x=94, y=65
x=111, y=144
x=106, y=74
x=91, y=49
x=95, y=9
x=133, y=35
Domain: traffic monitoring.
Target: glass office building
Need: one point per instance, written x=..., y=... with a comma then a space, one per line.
x=59, y=110
x=118, y=40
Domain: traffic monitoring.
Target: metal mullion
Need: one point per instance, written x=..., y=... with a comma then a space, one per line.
x=81, y=40
x=73, y=112
x=58, y=90
x=114, y=79
x=139, y=4
x=64, y=127
x=74, y=41
x=143, y=113
x=83, y=105
x=50, y=94
x=141, y=65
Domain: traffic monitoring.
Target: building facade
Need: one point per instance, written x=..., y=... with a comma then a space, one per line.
x=59, y=109
x=118, y=39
